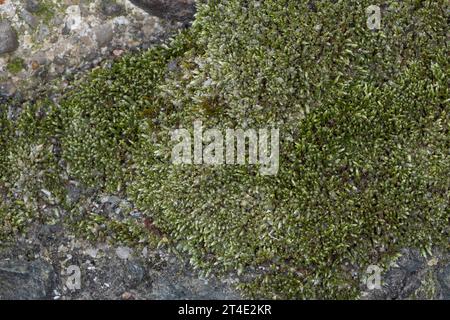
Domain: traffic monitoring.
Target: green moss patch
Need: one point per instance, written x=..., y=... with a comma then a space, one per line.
x=364, y=126
x=364, y=158
x=16, y=65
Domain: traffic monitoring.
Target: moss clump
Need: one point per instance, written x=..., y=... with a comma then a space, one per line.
x=104, y=115
x=363, y=122
x=16, y=65
x=364, y=161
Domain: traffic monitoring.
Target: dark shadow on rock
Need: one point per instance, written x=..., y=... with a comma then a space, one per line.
x=178, y=10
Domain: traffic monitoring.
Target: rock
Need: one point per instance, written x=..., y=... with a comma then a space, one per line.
x=8, y=38
x=443, y=277
x=92, y=252
x=73, y=19
x=134, y=274
x=145, y=252
x=113, y=200
x=118, y=52
x=71, y=35
x=111, y=8
x=103, y=35
x=40, y=57
x=173, y=66
x=35, y=65
x=413, y=277
x=185, y=287
x=179, y=10
x=26, y=280
x=127, y=296
x=124, y=252
x=7, y=89
x=434, y=261
x=29, y=18
x=43, y=32
x=149, y=27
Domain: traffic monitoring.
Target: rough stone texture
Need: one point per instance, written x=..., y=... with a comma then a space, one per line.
x=170, y=286
x=71, y=36
x=413, y=276
x=37, y=266
x=181, y=10
x=32, y=5
x=8, y=38
x=26, y=280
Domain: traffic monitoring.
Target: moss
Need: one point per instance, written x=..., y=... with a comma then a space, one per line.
x=357, y=128
x=16, y=65
x=46, y=10
x=364, y=161
x=30, y=172
x=105, y=115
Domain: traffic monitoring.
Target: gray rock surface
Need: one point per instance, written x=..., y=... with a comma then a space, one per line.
x=180, y=10
x=37, y=266
x=104, y=34
x=443, y=277
x=8, y=38
x=7, y=89
x=32, y=5
x=29, y=18
x=26, y=280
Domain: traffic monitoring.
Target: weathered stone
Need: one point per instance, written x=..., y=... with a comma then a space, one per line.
x=127, y=296
x=443, y=277
x=40, y=57
x=134, y=273
x=413, y=277
x=43, y=32
x=7, y=89
x=74, y=37
x=8, y=38
x=184, y=286
x=26, y=280
x=124, y=252
x=74, y=190
x=179, y=10
x=32, y=5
